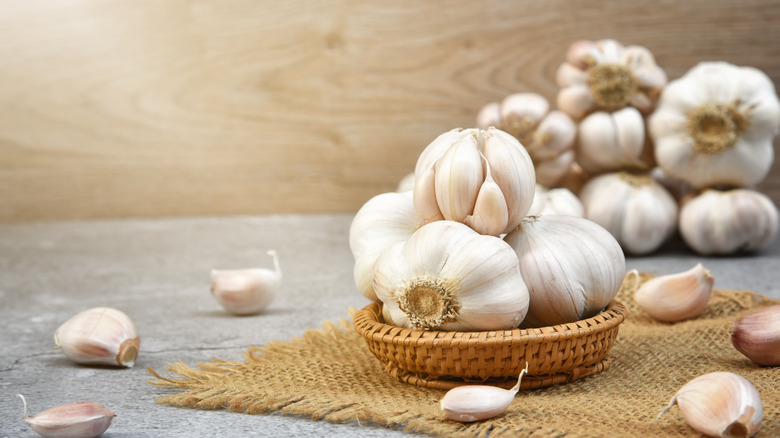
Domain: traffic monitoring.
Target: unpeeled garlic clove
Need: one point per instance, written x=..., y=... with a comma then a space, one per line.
x=720, y=404
x=612, y=141
x=676, y=297
x=72, y=420
x=100, y=335
x=470, y=403
x=246, y=291
x=757, y=335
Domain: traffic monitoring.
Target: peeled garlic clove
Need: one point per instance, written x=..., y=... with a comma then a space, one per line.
x=100, y=335
x=469, y=403
x=757, y=335
x=246, y=291
x=72, y=420
x=720, y=404
x=676, y=297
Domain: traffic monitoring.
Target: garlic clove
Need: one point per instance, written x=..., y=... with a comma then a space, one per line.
x=489, y=115
x=100, y=335
x=612, y=141
x=470, y=403
x=757, y=335
x=676, y=297
x=521, y=112
x=246, y=291
x=720, y=404
x=72, y=420
x=575, y=100
x=458, y=179
x=490, y=211
x=424, y=196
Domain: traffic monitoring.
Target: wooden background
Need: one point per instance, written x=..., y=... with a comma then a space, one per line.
x=118, y=108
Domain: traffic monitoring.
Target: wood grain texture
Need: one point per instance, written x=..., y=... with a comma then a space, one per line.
x=116, y=108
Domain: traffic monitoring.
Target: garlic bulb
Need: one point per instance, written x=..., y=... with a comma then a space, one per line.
x=446, y=276
x=573, y=268
x=757, y=335
x=633, y=207
x=720, y=404
x=406, y=184
x=484, y=179
x=555, y=201
x=382, y=221
x=714, y=125
x=246, y=291
x=100, y=335
x=727, y=222
x=606, y=76
x=469, y=403
x=612, y=141
x=548, y=136
x=72, y=420
x=676, y=297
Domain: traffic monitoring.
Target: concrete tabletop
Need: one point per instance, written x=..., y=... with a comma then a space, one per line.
x=157, y=271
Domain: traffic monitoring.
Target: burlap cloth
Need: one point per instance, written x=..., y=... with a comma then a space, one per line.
x=329, y=374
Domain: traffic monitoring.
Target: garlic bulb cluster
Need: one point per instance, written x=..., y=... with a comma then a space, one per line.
x=100, y=335
x=757, y=335
x=470, y=403
x=638, y=211
x=676, y=297
x=729, y=221
x=560, y=201
x=548, y=136
x=573, y=268
x=715, y=125
x=720, y=404
x=446, y=276
x=384, y=220
x=72, y=420
x=246, y=291
x=483, y=178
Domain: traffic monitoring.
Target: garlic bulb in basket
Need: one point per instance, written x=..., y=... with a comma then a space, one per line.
x=633, y=207
x=449, y=277
x=604, y=75
x=484, y=179
x=558, y=201
x=727, y=222
x=573, y=268
x=715, y=125
x=382, y=221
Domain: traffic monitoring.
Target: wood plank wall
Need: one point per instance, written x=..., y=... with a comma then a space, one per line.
x=119, y=108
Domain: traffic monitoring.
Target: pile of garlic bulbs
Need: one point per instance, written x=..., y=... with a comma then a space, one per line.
x=460, y=252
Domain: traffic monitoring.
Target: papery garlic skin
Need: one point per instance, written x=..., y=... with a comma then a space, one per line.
x=99, y=336
x=484, y=179
x=573, y=268
x=558, y=201
x=384, y=220
x=548, y=136
x=715, y=126
x=605, y=75
x=757, y=335
x=728, y=222
x=246, y=291
x=676, y=297
x=639, y=212
x=720, y=404
x=612, y=141
x=72, y=420
x=446, y=276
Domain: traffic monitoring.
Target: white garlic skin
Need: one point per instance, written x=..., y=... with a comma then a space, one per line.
x=634, y=208
x=72, y=420
x=99, y=336
x=728, y=222
x=558, y=201
x=757, y=335
x=446, y=276
x=572, y=266
x=676, y=297
x=720, y=404
x=246, y=291
x=384, y=220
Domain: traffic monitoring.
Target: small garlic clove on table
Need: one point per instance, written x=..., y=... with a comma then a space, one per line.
x=72, y=420
x=676, y=297
x=101, y=335
x=246, y=291
x=757, y=335
x=470, y=403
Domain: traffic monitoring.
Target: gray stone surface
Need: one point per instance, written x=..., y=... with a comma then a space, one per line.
x=157, y=271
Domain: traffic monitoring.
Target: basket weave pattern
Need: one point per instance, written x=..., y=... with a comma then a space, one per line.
x=445, y=359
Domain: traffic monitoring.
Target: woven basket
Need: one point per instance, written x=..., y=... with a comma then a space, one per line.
x=443, y=360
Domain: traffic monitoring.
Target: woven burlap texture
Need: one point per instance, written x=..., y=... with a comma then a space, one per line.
x=330, y=375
